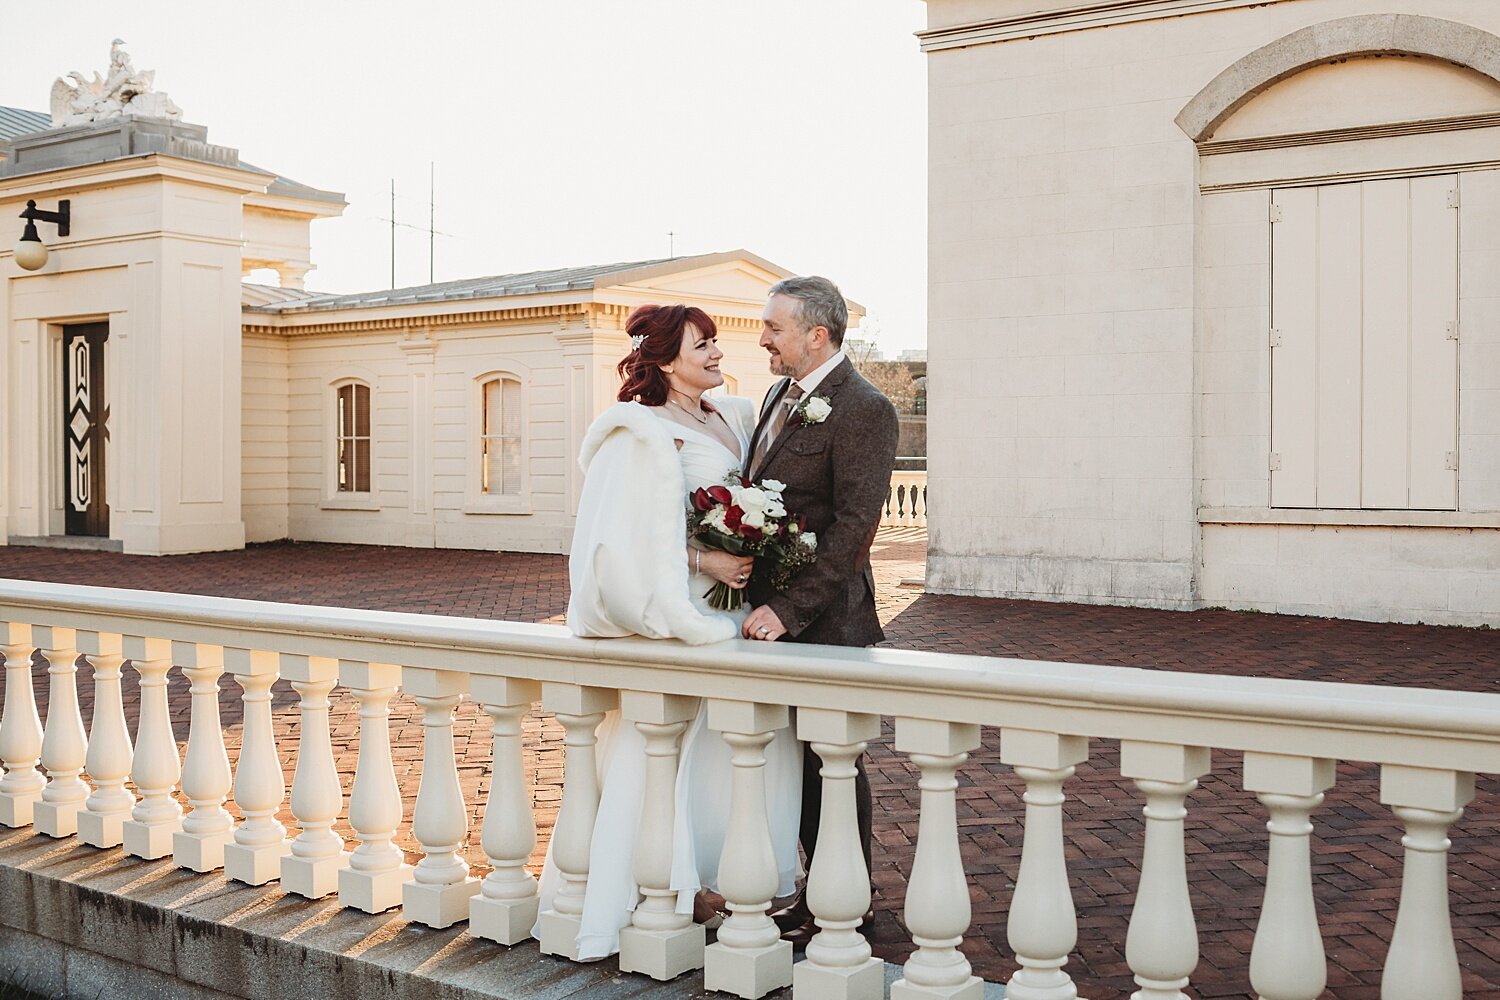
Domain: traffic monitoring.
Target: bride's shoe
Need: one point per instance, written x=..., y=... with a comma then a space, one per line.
x=708, y=909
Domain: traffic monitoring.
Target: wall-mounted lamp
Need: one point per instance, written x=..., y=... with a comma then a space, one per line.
x=31, y=252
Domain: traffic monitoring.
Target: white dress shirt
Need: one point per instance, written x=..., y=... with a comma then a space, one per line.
x=814, y=378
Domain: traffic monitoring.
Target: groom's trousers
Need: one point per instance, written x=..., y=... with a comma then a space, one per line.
x=812, y=804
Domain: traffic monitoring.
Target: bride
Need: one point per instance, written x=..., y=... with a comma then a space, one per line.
x=632, y=572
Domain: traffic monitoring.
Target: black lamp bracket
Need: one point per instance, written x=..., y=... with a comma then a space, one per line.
x=60, y=217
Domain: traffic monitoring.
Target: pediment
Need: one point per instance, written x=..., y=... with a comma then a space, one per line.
x=740, y=279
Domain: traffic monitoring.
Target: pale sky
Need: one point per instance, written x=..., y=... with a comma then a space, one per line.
x=564, y=133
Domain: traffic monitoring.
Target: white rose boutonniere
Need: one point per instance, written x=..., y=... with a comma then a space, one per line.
x=814, y=409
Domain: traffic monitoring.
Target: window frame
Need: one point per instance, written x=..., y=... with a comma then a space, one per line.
x=333, y=497
x=477, y=501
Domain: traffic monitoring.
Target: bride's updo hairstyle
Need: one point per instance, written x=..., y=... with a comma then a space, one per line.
x=660, y=329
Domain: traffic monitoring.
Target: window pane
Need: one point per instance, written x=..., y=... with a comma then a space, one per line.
x=491, y=473
x=344, y=408
x=511, y=411
x=492, y=407
x=361, y=410
x=362, y=465
x=510, y=464
x=345, y=483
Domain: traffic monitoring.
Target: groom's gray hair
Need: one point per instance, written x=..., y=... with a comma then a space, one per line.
x=819, y=303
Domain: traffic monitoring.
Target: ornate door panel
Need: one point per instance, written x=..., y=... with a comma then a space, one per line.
x=85, y=429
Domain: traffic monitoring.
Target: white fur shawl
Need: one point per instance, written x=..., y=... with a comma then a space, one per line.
x=627, y=568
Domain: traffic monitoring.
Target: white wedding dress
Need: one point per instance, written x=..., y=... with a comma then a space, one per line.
x=705, y=771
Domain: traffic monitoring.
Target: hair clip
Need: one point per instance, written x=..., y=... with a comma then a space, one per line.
x=636, y=340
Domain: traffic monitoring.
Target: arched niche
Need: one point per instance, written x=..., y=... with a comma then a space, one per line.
x=1454, y=42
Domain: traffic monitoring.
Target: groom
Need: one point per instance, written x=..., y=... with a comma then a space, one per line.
x=830, y=436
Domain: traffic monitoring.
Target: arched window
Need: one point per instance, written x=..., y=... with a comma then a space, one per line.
x=351, y=423
x=501, y=426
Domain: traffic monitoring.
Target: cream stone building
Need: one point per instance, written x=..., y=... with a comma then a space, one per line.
x=154, y=402
x=1215, y=304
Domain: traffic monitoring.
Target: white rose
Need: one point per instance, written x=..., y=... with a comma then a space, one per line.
x=817, y=410
x=775, y=509
x=752, y=499
x=810, y=539
x=715, y=519
x=754, y=519
x=773, y=486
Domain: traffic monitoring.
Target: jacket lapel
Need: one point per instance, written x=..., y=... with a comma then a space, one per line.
x=828, y=388
x=772, y=400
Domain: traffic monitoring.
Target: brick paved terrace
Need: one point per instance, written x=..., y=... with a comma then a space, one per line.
x=1357, y=844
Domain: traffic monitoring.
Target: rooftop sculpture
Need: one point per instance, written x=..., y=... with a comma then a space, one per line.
x=125, y=93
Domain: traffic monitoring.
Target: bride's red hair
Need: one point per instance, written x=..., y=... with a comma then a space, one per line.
x=662, y=327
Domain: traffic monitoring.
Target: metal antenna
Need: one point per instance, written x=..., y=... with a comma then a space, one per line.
x=393, y=232
x=431, y=222
x=672, y=245
x=431, y=231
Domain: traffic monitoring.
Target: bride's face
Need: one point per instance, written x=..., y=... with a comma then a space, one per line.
x=695, y=370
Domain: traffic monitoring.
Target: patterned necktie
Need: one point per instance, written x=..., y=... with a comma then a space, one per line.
x=776, y=426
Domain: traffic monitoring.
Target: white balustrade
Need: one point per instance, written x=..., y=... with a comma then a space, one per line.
x=317, y=853
x=579, y=710
x=64, y=743
x=20, y=730
x=839, y=963
x=659, y=942
x=937, y=895
x=438, y=894
x=1428, y=744
x=260, y=841
x=155, y=766
x=749, y=959
x=1422, y=961
x=206, y=778
x=1286, y=960
x=1161, y=946
x=377, y=868
x=506, y=908
x=102, y=821
x=1042, y=927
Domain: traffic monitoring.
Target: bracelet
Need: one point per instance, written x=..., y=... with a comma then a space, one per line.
x=698, y=561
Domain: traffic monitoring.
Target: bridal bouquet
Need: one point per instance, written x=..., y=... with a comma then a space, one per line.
x=749, y=519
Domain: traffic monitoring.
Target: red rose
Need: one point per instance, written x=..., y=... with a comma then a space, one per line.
x=720, y=494
x=801, y=522
x=752, y=534
x=702, y=501
x=732, y=518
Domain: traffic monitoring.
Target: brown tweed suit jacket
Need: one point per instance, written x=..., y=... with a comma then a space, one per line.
x=837, y=473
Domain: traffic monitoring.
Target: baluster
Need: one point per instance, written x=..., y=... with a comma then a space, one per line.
x=64, y=744
x=505, y=911
x=20, y=730
x=102, y=823
x=1422, y=963
x=439, y=892
x=317, y=853
x=579, y=710
x=659, y=942
x=839, y=964
x=155, y=767
x=1161, y=946
x=749, y=959
x=260, y=841
x=1287, y=961
x=199, y=845
x=937, y=896
x=377, y=868
x=1042, y=927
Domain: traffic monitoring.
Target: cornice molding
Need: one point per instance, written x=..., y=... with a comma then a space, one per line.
x=1076, y=18
x=1424, y=126
x=1346, y=177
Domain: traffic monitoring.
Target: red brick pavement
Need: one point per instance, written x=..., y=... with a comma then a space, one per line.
x=1356, y=846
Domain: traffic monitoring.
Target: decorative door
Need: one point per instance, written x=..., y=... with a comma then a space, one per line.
x=85, y=428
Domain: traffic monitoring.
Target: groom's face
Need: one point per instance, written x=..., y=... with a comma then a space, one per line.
x=790, y=344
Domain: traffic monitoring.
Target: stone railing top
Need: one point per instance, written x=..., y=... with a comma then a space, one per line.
x=1410, y=726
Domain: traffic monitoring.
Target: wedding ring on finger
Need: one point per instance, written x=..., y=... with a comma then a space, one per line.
x=764, y=630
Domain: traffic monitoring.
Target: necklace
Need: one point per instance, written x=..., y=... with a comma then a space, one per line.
x=702, y=420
